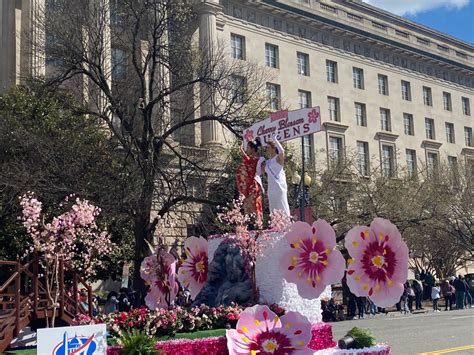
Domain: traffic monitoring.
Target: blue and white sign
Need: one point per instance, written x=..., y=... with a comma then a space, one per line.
x=77, y=340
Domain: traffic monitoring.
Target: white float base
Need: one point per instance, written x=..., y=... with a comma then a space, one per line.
x=270, y=283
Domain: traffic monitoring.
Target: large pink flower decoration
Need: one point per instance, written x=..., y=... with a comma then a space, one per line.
x=193, y=272
x=312, y=262
x=260, y=331
x=379, y=265
x=159, y=270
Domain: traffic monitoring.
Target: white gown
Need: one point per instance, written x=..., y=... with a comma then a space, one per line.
x=277, y=188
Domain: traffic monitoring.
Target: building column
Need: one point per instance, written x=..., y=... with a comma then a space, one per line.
x=37, y=32
x=211, y=131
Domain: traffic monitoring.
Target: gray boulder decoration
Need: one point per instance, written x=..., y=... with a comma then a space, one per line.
x=227, y=280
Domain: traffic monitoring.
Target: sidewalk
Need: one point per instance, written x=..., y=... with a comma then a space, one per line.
x=393, y=312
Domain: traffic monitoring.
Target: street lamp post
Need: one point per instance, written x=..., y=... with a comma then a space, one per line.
x=301, y=191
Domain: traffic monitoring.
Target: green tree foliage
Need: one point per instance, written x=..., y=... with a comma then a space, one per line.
x=49, y=149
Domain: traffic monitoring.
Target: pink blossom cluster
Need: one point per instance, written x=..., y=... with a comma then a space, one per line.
x=73, y=236
x=251, y=243
x=280, y=221
x=233, y=215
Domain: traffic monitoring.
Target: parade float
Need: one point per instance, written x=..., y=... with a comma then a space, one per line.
x=260, y=290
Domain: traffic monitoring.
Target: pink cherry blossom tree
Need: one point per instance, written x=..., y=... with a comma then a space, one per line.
x=73, y=237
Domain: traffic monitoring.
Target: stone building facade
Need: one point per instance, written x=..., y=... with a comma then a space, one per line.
x=395, y=92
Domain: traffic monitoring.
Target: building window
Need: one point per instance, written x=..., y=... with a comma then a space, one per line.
x=361, y=115
x=117, y=14
x=304, y=98
x=238, y=89
x=388, y=160
x=453, y=163
x=358, y=78
x=339, y=204
x=333, y=106
x=363, y=158
x=331, y=71
x=432, y=163
x=408, y=124
x=450, y=132
x=466, y=107
x=383, y=84
x=271, y=55
x=406, y=90
x=447, y=101
x=468, y=136
x=427, y=98
x=385, y=123
x=430, y=128
x=411, y=162
x=273, y=96
x=119, y=64
x=302, y=60
x=335, y=150
x=308, y=144
x=237, y=45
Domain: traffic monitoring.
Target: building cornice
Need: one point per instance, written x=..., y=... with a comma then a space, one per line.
x=256, y=28
x=431, y=144
x=359, y=31
x=468, y=151
x=387, y=136
x=336, y=127
x=401, y=21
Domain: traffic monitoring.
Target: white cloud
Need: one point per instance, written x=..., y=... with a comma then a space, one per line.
x=412, y=7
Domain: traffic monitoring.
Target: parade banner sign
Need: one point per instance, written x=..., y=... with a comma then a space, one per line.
x=286, y=124
x=85, y=339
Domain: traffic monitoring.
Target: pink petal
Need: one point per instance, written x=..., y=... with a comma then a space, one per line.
x=401, y=269
x=308, y=291
x=154, y=299
x=335, y=270
x=194, y=288
x=253, y=321
x=235, y=344
x=386, y=228
x=387, y=296
x=285, y=263
x=358, y=286
x=297, y=328
x=325, y=233
x=298, y=230
x=355, y=243
x=196, y=245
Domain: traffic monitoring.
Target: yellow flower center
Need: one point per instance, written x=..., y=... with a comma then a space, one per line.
x=313, y=257
x=270, y=345
x=378, y=260
x=200, y=266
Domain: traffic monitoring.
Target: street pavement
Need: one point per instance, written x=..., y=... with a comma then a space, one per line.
x=432, y=333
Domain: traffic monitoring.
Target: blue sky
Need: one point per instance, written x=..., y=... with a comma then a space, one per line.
x=454, y=17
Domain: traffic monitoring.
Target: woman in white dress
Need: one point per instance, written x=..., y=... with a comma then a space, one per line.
x=277, y=189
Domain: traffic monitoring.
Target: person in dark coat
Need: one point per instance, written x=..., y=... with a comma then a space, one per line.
x=418, y=288
x=460, y=291
x=124, y=304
